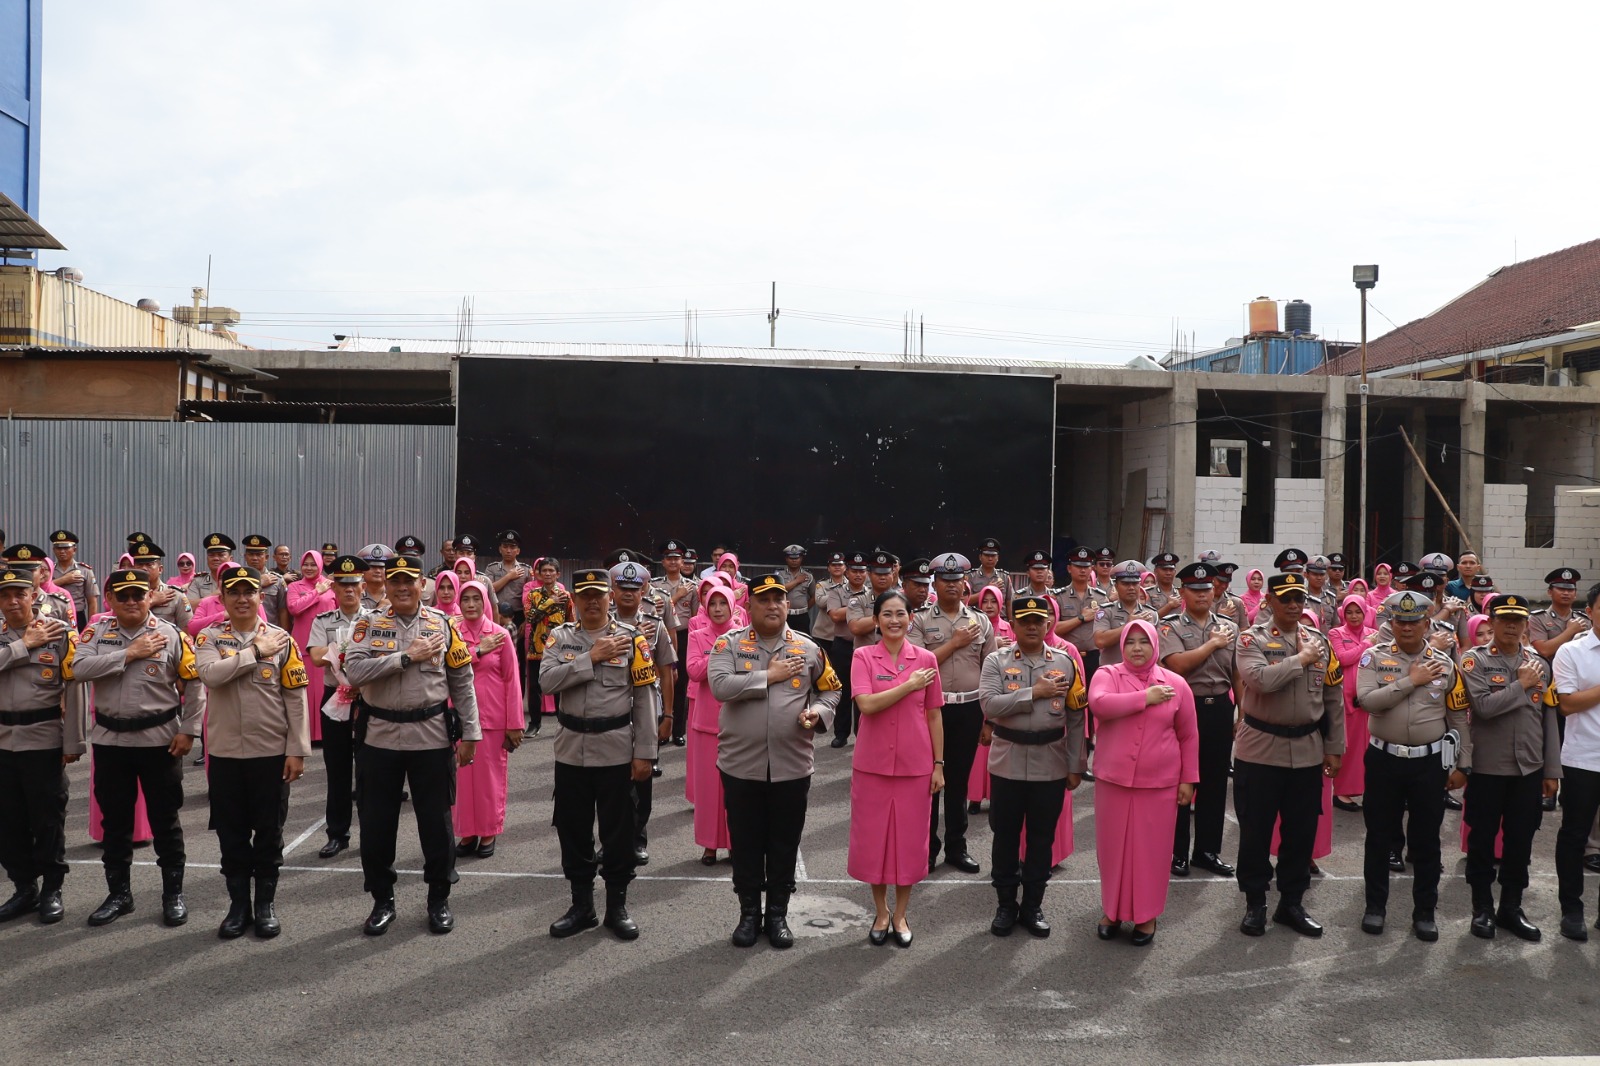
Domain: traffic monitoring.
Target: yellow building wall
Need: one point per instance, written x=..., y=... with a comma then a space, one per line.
x=41, y=309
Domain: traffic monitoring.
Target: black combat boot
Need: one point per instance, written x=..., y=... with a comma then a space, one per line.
x=238, y=918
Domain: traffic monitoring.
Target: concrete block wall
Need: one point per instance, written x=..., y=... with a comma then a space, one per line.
x=1144, y=446
x=1518, y=568
x=1297, y=520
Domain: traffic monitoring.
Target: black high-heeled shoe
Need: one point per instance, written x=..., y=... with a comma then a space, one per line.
x=1108, y=932
x=902, y=939
x=878, y=937
x=708, y=858
x=1143, y=940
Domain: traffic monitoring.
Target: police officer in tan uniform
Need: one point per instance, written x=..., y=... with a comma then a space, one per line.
x=777, y=692
x=1414, y=696
x=847, y=607
x=325, y=647
x=1291, y=736
x=30, y=560
x=684, y=600
x=988, y=573
x=961, y=638
x=799, y=581
x=1033, y=697
x=824, y=628
x=1553, y=626
x=1223, y=601
x=166, y=603
x=1165, y=599
x=1199, y=644
x=219, y=549
x=408, y=662
x=1110, y=620
x=41, y=731
x=76, y=577
x=1080, y=603
x=1512, y=758
x=146, y=717
x=274, y=589
x=1319, y=600
x=258, y=736
x=636, y=604
x=606, y=677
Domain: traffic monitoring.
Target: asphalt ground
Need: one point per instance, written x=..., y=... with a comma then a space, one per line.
x=500, y=989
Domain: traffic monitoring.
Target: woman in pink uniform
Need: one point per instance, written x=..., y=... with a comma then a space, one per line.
x=447, y=593
x=1254, y=581
x=185, y=571
x=1358, y=587
x=728, y=566
x=1350, y=641
x=897, y=767
x=703, y=781
x=1147, y=763
x=1382, y=586
x=310, y=596
x=480, y=810
x=978, y=781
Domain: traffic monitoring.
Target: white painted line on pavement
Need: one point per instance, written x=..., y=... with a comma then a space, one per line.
x=301, y=839
x=800, y=866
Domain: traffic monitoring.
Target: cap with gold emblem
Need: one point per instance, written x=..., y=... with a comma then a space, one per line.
x=62, y=538
x=1407, y=607
x=255, y=542
x=13, y=578
x=1278, y=584
x=1507, y=605
x=402, y=566
x=237, y=577
x=347, y=570
x=1029, y=607
x=768, y=583
x=24, y=555
x=1196, y=576
x=137, y=538
x=147, y=551
x=591, y=581
x=329, y=548
x=219, y=542
x=124, y=580
x=1563, y=578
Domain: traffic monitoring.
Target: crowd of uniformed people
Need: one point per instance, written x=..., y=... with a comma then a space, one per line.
x=960, y=683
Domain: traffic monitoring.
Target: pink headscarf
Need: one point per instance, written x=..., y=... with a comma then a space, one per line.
x=1002, y=628
x=472, y=568
x=1251, y=598
x=733, y=610
x=1474, y=624
x=1145, y=675
x=1359, y=631
x=453, y=608
x=49, y=584
x=473, y=631
x=1051, y=638
x=182, y=579
x=125, y=562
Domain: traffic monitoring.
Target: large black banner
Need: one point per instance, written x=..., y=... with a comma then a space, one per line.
x=586, y=456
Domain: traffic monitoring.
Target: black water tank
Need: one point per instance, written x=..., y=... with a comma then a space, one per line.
x=1297, y=317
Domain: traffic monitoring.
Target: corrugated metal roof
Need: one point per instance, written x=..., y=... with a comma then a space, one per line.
x=728, y=353
x=19, y=230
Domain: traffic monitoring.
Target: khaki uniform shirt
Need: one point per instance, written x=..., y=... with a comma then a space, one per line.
x=78, y=590
x=1000, y=579
x=32, y=679
x=1181, y=633
x=1545, y=624
x=1006, y=689
x=373, y=664
x=1231, y=607
x=962, y=672
x=1513, y=732
x=199, y=587
x=759, y=735
x=176, y=610
x=59, y=608
x=1321, y=607
x=1161, y=599
x=858, y=605
x=686, y=604
x=1400, y=712
x=509, y=597
x=274, y=596
x=331, y=630
x=257, y=707
x=623, y=685
x=1275, y=688
x=144, y=686
x=1072, y=606
x=800, y=595
x=1114, y=616
x=824, y=629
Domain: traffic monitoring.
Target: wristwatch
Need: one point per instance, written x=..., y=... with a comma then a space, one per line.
x=405, y=660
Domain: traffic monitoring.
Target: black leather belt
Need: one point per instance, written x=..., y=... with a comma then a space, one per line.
x=593, y=725
x=1221, y=697
x=1030, y=736
x=134, y=725
x=1287, y=731
x=33, y=717
x=383, y=714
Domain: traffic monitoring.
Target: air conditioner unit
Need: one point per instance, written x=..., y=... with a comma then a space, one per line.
x=1559, y=376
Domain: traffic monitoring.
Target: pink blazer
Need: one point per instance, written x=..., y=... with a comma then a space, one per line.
x=706, y=709
x=895, y=741
x=1138, y=746
x=496, y=682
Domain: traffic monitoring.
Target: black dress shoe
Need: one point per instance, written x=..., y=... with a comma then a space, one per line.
x=878, y=937
x=50, y=911
x=839, y=742
x=1425, y=928
x=1572, y=925
x=620, y=924
x=1254, y=922
x=1314, y=870
x=1295, y=917
x=1180, y=867
x=1005, y=920
x=1548, y=803
x=466, y=847
x=1517, y=924
x=655, y=769
x=1210, y=860
x=381, y=918
x=902, y=939
x=266, y=920
x=964, y=862
x=1032, y=919
x=1483, y=923
x=641, y=857
x=679, y=742
x=1396, y=863
x=23, y=901
x=237, y=920
x=440, y=920
x=1372, y=922
x=115, y=906
x=1451, y=803
x=1592, y=863
x=486, y=850
x=1346, y=805
x=1108, y=932
x=1142, y=940
x=975, y=807
x=576, y=920
x=174, y=909
x=333, y=847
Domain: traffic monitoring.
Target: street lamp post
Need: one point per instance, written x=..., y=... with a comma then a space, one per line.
x=1365, y=277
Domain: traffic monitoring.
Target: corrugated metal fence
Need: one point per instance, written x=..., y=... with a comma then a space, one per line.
x=298, y=483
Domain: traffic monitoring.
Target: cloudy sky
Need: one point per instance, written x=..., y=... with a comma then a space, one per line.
x=1029, y=178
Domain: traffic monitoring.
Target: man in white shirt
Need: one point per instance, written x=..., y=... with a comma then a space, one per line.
x=1577, y=684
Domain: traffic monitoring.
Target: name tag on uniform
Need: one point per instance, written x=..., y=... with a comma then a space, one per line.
x=883, y=677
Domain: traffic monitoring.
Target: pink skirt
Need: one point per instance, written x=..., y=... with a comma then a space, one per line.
x=480, y=809
x=690, y=756
x=1131, y=830
x=1063, y=844
x=705, y=781
x=889, y=828
x=1351, y=780
x=141, y=820
x=978, y=780
x=1323, y=844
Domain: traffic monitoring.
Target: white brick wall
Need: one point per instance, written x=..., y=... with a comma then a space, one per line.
x=1146, y=448
x=1297, y=520
x=1520, y=569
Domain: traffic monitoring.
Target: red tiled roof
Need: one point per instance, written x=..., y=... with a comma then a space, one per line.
x=1533, y=298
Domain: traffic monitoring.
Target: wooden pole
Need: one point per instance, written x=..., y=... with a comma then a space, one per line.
x=1465, y=541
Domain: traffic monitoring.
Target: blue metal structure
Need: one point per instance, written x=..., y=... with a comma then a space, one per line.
x=1268, y=354
x=21, y=41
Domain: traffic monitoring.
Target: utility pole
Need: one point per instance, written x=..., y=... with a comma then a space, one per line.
x=772, y=319
x=1365, y=277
